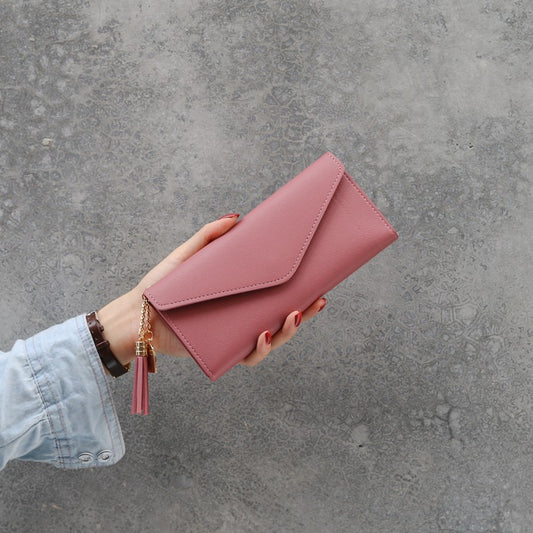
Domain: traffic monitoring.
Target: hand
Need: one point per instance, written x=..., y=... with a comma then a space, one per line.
x=120, y=317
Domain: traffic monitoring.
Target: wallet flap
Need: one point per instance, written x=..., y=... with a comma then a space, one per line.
x=269, y=242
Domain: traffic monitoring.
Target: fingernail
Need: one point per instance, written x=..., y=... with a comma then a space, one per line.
x=322, y=305
x=268, y=337
x=229, y=215
x=298, y=319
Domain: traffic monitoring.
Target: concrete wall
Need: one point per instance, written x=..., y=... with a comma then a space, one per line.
x=406, y=405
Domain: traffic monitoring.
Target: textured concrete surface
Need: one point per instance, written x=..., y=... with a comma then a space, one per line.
x=406, y=406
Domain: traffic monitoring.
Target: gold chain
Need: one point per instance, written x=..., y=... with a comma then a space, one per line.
x=145, y=330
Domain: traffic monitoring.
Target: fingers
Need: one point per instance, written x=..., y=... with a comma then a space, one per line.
x=289, y=329
x=262, y=349
x=204, y=236
x=201, y=238
x=285, y=334
x=315, y=308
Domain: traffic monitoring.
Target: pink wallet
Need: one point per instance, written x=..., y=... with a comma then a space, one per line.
x=294, y=247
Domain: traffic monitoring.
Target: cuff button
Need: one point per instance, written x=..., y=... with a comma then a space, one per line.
x=86, y=457
x=104, y=455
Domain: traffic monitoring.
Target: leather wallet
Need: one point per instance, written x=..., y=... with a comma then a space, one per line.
x=292, y=248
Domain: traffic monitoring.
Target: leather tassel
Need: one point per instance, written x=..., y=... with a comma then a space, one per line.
x=139, y=402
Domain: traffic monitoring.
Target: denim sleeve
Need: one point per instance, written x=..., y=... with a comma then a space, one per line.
x=55, y=401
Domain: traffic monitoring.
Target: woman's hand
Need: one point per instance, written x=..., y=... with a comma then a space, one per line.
x=120, y=317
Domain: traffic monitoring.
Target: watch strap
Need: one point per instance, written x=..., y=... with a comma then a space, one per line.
x=109, y=360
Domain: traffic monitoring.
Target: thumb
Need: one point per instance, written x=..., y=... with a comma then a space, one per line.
x=209, y=232
x=202, y=237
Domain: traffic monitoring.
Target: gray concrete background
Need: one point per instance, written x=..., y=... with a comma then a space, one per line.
x=406, y=405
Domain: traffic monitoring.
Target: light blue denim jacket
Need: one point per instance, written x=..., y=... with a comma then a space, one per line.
x=55, y=401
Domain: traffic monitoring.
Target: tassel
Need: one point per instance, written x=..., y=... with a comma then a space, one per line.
x=139, y=402
x=145, y=362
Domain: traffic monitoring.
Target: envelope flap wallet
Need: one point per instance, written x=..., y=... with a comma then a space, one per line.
x=269, y=245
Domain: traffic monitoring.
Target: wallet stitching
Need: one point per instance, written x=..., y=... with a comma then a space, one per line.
x=372, y=206
x=326, y=201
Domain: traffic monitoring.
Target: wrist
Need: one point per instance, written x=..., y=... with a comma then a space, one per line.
x=120, y=321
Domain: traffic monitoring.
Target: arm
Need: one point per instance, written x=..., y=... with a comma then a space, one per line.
x=55, y=401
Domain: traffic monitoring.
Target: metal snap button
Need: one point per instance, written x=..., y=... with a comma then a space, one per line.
x=104, y=455
x=86, y=457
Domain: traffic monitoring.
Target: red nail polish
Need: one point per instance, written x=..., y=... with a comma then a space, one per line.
x=298, y=319
x=322, y=305
x=268, y=337
x=229, y=215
